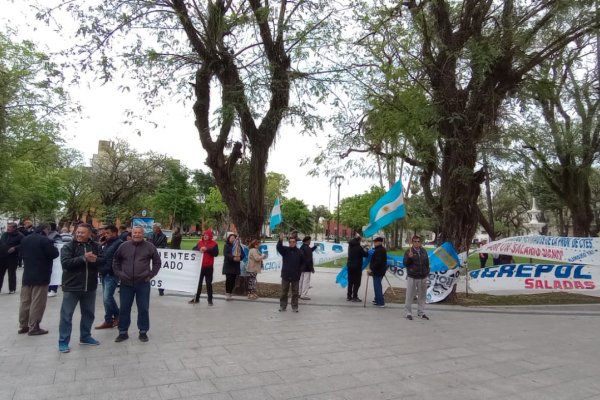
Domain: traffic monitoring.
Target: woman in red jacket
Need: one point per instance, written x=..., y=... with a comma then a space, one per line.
x=209, y=249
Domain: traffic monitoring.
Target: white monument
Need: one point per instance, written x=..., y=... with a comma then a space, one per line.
x=534, y=226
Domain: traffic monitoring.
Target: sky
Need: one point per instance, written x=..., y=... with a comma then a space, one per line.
x=103, y=113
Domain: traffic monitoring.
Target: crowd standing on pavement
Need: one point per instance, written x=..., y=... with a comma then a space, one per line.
x=121, y=257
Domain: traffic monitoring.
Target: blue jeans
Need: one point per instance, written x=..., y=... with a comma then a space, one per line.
x=141, y=292
x=87, y=305
x=378, y=290
x=111, y=309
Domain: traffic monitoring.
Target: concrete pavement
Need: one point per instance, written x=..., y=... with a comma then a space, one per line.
x=329, y=350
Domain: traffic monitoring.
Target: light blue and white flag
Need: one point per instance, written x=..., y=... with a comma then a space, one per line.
x=276, y=217
x=386, y=210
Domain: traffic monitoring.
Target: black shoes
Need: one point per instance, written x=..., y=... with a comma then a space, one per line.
x=424, y=317
x=409, y=317
x=143, y=337
x=23, y=330
x=37, y=332
x=294, y=309
x=122, y=337
x=357, y=300
x=282, y=309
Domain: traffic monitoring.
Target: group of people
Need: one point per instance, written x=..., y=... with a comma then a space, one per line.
x=415, y=260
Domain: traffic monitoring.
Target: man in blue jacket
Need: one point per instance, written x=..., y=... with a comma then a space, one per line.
x=80, y=259
x=109, y=280
x=38, y=251
x=293, y=261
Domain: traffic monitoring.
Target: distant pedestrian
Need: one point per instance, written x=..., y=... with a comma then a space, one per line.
x=231, y=263
x=109, y=280
x=308, y=269
x=38, y=252
x=209, y=249
x=176, y=239
x=80, y=259
x=135, y=263
x=254, y=267
x=291, y=269
x=483, y=257
x=10, y=241
x=56, y=238
x=356, y=253
x=159, y=240
x=416, y=261
x=377, y=270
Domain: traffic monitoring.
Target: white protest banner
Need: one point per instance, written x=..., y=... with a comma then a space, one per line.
x=536, y=278
x=325, y=252
x=180, y=270
x=439, y=283
x=56, y=277
x=561, y=249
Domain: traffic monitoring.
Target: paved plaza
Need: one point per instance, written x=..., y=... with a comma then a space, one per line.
x=331, y=349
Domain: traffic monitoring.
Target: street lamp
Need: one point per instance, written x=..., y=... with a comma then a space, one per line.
x=338, y=179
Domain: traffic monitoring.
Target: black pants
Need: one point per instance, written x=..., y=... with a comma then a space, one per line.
x=205, y=273
x=230, y=282
x=483, y=261
x=354, y=278
x=9, y=264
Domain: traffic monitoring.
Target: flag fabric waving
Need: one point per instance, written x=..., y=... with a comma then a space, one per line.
x=386, y=210
x=276, y=217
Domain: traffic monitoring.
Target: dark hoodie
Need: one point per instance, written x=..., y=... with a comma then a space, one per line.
x=212, y=249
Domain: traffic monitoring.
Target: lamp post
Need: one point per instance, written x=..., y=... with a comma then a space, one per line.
x=338, y=179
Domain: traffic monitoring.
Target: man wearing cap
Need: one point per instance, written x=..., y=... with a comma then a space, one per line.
x=377, y=270
x=291, y=269
x=417, y=268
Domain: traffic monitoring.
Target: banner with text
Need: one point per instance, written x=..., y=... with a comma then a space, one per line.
x=560, y=249
x=325, y=252
x=536, y=278
x=180, y=270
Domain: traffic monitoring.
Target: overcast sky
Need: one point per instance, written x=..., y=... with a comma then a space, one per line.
x=102, y=116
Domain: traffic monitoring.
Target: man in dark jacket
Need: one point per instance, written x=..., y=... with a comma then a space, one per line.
x=377, y=270
x=159, y=240
x=109, y=280
x=293, y=261
x=9, y=259
x=131, y=265
x=80, y=260
x=416, y=262
x=308, y=269
x=356, y=253
x=38, y=252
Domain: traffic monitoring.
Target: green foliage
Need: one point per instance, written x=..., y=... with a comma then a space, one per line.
x=276, y=186
x=296, y=215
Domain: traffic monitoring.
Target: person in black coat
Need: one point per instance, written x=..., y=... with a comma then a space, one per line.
x=159, y=240
x=9, y=256
x=308, y=268
x=231, y=265
x=293, y=261
x=377, y=270
x=356, y=253
x=38, y=252
x=109, y=280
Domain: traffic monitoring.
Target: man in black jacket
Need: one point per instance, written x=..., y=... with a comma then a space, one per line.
x=109, y=280
x=9, y=259
x=80, y=260
x=293, y=260
x=356, y=253
x=38, y=252
x=416, y=262
x=377, y=270
x=308, y=268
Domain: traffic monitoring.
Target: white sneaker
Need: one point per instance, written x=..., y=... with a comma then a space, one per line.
x=52, y=293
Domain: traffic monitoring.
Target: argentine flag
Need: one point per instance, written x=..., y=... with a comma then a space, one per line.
x=276, y=217
x=386, y=210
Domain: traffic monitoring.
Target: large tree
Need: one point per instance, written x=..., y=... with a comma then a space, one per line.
x=247, y=52
x=469, y=57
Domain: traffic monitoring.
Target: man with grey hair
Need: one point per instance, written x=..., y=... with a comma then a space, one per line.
x=38, y=252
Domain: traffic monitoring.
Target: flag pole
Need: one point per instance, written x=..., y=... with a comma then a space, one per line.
x=366, y=289
x=388, y=281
